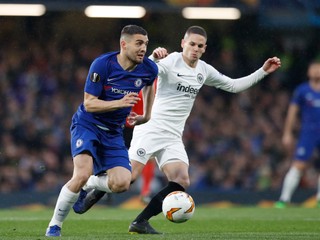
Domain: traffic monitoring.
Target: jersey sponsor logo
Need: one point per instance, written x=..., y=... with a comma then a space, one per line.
x=187, y=89
x=94, y=77
x=200, y=78
x=184, y=75
x=121, y=91
x=79, y=143
x=141, y=152
x=138, y=82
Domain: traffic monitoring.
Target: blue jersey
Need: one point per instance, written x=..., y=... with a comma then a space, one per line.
x=101, y=134
x=308, y=101
x=109, y=81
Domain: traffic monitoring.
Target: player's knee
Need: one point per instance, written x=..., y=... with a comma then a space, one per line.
x=119, y=185
x=299, y=165
x=184, y=181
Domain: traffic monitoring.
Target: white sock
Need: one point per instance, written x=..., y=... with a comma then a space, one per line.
x=318, y=189
x=64, y=203
x=290, y=183
x=98, y=182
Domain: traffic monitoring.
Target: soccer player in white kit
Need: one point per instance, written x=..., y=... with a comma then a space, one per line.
x=180, y=77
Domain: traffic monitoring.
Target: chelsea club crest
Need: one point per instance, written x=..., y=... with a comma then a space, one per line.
x=138, y=82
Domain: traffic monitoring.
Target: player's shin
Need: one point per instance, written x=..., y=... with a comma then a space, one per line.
x=290, y=184
x=155, y=205
x=64, y=203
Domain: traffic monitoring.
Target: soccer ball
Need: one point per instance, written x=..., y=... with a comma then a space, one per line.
x=178, y=207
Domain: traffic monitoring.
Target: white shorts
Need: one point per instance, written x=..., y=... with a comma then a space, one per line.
x=162, y=145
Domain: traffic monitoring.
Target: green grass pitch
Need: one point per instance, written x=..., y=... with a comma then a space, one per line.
x=207, y=223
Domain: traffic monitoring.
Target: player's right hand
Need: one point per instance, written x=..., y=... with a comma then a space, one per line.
x=160, y=53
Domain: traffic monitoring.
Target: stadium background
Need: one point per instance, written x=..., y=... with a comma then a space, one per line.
x=233, y=140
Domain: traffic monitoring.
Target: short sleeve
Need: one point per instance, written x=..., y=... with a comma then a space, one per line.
x=297, y=96
x=96, y=77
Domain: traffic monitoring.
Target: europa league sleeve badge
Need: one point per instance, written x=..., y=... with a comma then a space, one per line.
x=94, y=77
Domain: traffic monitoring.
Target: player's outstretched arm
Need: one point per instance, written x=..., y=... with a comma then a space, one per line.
x=271, y=64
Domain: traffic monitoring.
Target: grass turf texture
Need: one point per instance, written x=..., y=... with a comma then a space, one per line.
x=207, y=223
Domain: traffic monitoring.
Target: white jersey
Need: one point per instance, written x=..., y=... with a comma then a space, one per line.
x=177, y=87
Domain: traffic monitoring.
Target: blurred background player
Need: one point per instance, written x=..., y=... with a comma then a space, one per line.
x=304, y=106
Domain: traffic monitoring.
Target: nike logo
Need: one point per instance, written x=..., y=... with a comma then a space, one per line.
x=103, y=128
x=182, y=75
x=61, y=210
x=111, y=79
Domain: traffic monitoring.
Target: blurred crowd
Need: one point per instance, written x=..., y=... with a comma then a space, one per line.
x=233, y=140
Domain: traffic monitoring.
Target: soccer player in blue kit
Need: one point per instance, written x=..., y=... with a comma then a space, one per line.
x=305, y=104
x=111, y=89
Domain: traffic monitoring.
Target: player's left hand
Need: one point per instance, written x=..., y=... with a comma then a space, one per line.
x=134, y=119
x=271, y=64
x=131, y=119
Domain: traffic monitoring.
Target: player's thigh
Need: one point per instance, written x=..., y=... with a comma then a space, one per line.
x=83, y=164
x=143, y=147
x=82, y=170
x=84, y=139
x=137, y=168
x=177, y=171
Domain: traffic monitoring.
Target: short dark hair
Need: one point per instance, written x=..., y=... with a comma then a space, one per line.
x=196, y=30
x=133, y=29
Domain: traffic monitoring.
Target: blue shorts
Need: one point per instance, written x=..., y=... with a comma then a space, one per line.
x=307, y=143
x=106, y=147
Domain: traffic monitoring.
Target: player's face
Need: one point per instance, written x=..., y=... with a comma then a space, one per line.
x=136, y=48
x=193, y=45
x=314, y=76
